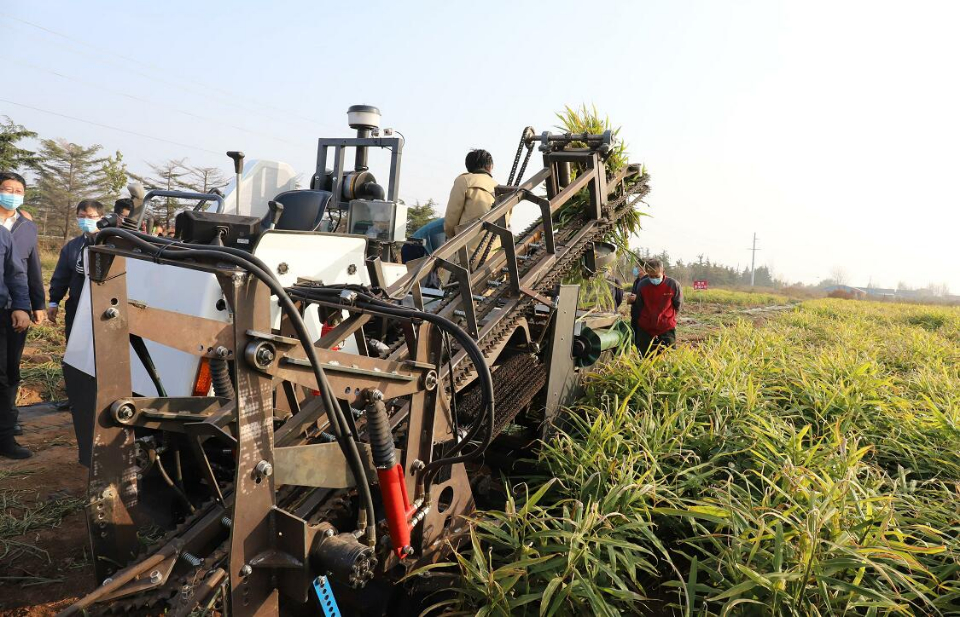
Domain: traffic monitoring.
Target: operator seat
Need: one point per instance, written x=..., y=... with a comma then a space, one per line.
x=303, y=209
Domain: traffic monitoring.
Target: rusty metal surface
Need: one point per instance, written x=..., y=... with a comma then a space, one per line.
x=187, y=333
x=112, y=493
x=252, y=593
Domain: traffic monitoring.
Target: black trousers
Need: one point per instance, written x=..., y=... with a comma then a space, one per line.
x=69, y=312
x=648, y=344
x=11, y=350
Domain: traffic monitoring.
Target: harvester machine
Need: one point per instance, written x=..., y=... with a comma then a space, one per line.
x=281, y=418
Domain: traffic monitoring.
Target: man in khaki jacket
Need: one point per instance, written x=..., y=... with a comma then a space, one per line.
x=471, y=197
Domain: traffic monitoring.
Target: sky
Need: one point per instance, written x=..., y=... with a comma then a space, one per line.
x=829, y=129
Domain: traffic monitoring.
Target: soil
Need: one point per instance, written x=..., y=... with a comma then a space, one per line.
x=50, y=568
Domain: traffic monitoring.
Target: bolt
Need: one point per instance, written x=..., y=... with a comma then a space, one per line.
x=375, y=395
x=156, y=577
x=111, y=313
x=328, y=533
x=226, y=522
x=106, y=582
x=417, y=465
x=192, y=559
x=430, y=380
x=246, y=570
x=264, y=469
x=459, y=313
x=221, y=351
x=125, y=412
x=265, y=356
x=283, y=268
x=408, y=550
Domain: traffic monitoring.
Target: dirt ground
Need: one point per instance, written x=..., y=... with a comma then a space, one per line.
x=44, y=559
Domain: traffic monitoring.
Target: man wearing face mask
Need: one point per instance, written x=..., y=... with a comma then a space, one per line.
x=12, y=189
x=69, y=273
x=14, y=318
x=655, y=302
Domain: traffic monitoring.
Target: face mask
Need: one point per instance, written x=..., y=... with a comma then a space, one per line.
x=656, y=281
x=636, y=271
x=87, y=226
x=11, y=201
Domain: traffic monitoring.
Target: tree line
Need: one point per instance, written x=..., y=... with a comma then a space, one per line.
x=62, y=174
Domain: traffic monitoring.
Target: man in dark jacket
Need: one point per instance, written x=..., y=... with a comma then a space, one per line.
x=14, y=317
x=69, y=273
x=656, y=300
x=25, y=241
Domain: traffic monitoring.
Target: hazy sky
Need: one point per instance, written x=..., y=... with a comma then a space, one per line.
x=831, y=129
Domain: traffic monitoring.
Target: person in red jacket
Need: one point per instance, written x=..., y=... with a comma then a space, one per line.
x=655, y=302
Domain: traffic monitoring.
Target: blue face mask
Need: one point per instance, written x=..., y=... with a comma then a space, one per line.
x=87, y=226
x=656, y=281
x=11, y=201
x=636, y=271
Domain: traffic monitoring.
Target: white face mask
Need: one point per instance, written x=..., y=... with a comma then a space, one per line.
x=656, y=281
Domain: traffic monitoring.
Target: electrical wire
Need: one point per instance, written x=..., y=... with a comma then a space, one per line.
x=112, y=128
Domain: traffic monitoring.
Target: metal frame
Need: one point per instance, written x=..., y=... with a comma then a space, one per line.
x=339, y=146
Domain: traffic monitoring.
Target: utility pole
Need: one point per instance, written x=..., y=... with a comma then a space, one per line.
x=753, y=258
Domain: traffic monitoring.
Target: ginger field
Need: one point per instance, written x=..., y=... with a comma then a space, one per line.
x=808, y=465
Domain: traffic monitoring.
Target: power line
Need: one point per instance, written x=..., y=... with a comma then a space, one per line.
x=205, y=86
x=148, y=101
x=112, y=128
x=202, y=91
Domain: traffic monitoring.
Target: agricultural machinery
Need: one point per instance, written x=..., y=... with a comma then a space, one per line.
x=280, y=417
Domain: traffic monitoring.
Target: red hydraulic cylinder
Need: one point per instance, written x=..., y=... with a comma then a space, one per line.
x=397, y=508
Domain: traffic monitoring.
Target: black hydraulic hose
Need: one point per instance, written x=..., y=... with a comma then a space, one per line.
x=144, y=355
x=334, y=413
x=470, y=346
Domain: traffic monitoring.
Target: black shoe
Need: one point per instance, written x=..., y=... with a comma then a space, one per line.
x=11, y=449
x=17, y=430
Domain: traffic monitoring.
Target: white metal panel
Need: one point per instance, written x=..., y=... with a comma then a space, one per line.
x=333, y=259
x=163, y=287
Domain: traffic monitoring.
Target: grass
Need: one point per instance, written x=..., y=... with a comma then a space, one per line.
x=726, y=297
x=18, y=518
x=807, y=467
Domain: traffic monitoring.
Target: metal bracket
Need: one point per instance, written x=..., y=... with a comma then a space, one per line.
x=466, y=294
x=325, y=595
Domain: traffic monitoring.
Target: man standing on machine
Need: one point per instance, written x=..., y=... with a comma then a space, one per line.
x=69, y=273
x=471, y=197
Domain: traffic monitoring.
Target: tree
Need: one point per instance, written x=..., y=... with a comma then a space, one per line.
x=68, y=174
x=204, y=179
x=419, y=215
x=167, y=177
x=13, y=158
x=839, y=275
x=114, y=177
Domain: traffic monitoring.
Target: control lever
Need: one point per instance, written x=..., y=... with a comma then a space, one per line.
x=237, y=157
x=276, y=211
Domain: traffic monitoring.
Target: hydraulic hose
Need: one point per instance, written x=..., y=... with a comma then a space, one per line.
x=374, y=305
x=334, y=413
